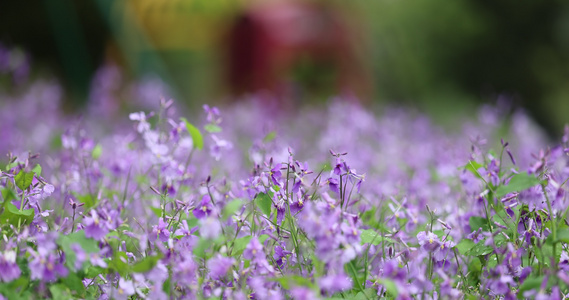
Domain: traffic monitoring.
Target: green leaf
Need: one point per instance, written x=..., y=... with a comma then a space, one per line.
x=464, y=246
x=10, y=292
x=119, y=263
x=88, y=245
x=157, y=211
x=8, y=194
x=480, y=249
x=66, y=241
x=97, y=151
x=518, y=183
x=74, y=283
x=269, y=137
x=478, y=222
x=473, y=167
x=369, y=236
x=146, y=264
x=93, y=272
x=530, y=284
x=262, y=238
x=264, y=202
x=474, y=272
x=368, y=293
x=87, y=199
x=290, y=281
x=562, y=235
x=240, y=244
x=192, y=221
x=203, y=244
x=355, y=271
x=211, y=128
x=13, y=215
x=37, y=170
x=194, y=133
x=231, y=208
x=59, y=291
x=390, y=286
x=24, y=179
x=545, y=253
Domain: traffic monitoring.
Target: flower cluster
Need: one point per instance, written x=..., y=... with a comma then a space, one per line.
x=334, y=202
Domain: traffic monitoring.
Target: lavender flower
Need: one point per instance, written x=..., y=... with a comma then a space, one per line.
x=219, y=266
x=9, y=270
x=428, y=241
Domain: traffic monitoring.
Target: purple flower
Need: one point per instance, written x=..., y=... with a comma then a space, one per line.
x=143, y=125
x=443, y=251
x=281, y=210
x=276, y=174
x=185, y=272
x=428, y=241
x=210, y=228
x=213, y=114
x=335, y=283
x=9, y=270
x=499, y=281
x=296, y=206
x=392, y=270
x=95, y=227
x=280, y=256
x=254, y=250
x=46, y=267
x=527, y=231
x=124, y=290
x=160, y=231
x=218, y=146
x=476, y=236
x=302, y=293
x=219, y=265
x=333, y=184
x=204, y=209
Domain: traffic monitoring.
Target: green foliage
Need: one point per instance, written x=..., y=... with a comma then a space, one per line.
x=264, y=203
x=37, y=170
x=119, y=263
x=530, y=284
x=390, y=286
x=240, y=244
x=146, y=264
x=270, y=137
x=231, y=208
x=478, y=222
x=60, y=291
x=464, y=246
x=88, y=200
x=66, y=241
x=473, y=167
x=372, y=237
x=480, y=249
x=194, y=133
x=97, y=151
x=289, y=281
x=24, y=179
x=563, y=235
x=74, y=283
x=12, y=215
x=8, y=194
x=518, y=183
x=211, y=128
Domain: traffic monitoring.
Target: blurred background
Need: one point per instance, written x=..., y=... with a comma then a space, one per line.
x=443, y=57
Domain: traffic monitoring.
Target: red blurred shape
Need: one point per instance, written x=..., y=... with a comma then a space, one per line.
x=269, y=41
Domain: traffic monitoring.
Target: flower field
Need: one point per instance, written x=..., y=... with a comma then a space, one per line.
x=244, y=202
